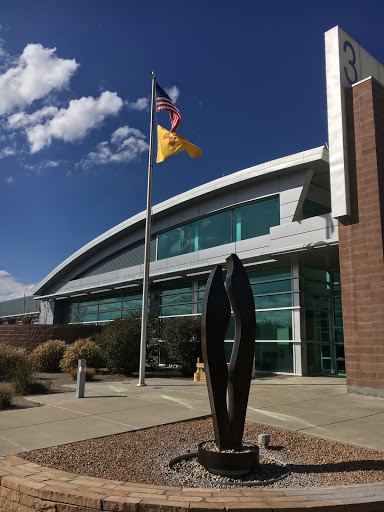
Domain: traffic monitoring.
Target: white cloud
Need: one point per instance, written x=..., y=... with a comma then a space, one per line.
x=3, y=52
x=49, y=163
x=173, y=92
x=22, y=120
x=74, y=122
x=139, y=104
x=8, y=151
x=5, y=57
x=123, y=132
x=12, y=289
x=126, y=145
x=10, y=180
x=38, y=72
x=45, y=164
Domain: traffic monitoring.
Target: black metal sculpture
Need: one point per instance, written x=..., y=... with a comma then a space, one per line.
x=228, y=421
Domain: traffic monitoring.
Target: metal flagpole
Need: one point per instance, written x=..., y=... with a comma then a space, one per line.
x=143, y=341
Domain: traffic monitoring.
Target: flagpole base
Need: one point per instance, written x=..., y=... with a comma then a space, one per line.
x=141, y=385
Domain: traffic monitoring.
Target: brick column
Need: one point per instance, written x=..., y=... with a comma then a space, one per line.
x=361, y=240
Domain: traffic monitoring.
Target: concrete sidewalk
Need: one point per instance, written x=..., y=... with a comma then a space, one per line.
x=312, y=405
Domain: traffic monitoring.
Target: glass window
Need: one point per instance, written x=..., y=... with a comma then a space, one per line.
x=211, y=231
x=312, y=209
x=111, y=315
x=228, y=346
x=339, y=335
x=84, y=309
x=274, y=325
x=319, y=359
x=274, y=357
x=91, y=309
x=318, y=325
x=255, y=219
x=173, y=242
x=273, y=301
x=177, y=288
x=340, y=351
x=89, y=318
x=201, y=295
x=316, y=273
x=268, y=274
x=132, y=295
x=181, y=309
x=274, y=286
x=110, y=307
x=336, y=283
x=230, y=334
x=132, y=304
x=314, y=287
x=177, y=298
x=337, y=303
x=84, y=302
x=340, y=367
x=313, y=358
x=110, y=298
x=338, y=319
x=317, y=301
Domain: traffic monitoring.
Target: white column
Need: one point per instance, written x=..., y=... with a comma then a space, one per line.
x=296, y=327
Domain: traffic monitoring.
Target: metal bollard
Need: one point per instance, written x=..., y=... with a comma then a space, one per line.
x=264, y=440
x=80, y=385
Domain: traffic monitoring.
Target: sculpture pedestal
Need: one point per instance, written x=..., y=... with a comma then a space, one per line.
x=229, y=463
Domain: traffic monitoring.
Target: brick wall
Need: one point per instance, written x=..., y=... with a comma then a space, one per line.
x=30, y=336
x=361, y=241
x=26, y=487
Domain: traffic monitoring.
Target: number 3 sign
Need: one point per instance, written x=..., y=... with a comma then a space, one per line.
x=346, y=64
x=351, y=62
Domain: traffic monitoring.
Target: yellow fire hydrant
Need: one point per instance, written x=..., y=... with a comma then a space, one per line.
x=196, y=375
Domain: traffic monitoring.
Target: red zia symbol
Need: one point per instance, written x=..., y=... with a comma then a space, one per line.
x=171, y=139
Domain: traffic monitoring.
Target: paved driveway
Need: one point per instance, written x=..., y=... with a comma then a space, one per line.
x=313, y=405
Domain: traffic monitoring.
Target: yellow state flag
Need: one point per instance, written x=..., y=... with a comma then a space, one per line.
x=169, y=143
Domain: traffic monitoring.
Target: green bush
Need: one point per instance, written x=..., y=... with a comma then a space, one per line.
x=83, y=348
x=47, y=356
x=182, y=342
x=24, y=379
x=10, y=357
x=6, y=396
x=120, y=342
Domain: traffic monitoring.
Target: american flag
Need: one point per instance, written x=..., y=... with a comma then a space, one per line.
x=164, y=102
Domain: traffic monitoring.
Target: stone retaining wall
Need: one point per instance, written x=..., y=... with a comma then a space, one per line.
x=29, y=336
x=26, y=487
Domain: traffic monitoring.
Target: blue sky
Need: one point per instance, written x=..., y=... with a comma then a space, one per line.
x=75, y=79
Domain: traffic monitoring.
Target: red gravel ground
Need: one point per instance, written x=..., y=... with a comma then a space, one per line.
x=142, y=456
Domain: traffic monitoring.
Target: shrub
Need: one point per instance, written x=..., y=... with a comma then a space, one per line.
x=89, y=373
x=83, y=348
x=6, y=396
x=24, y=380
x=47, y=356
x=120, y=342
x=10, y=357
x=182, y=342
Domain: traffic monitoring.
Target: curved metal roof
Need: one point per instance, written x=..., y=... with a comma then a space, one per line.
x=316, y=159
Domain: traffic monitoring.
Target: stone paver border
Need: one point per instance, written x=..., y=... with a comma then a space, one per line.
x=26, y=487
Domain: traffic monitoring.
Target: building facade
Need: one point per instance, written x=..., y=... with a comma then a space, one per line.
x=274, y=216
